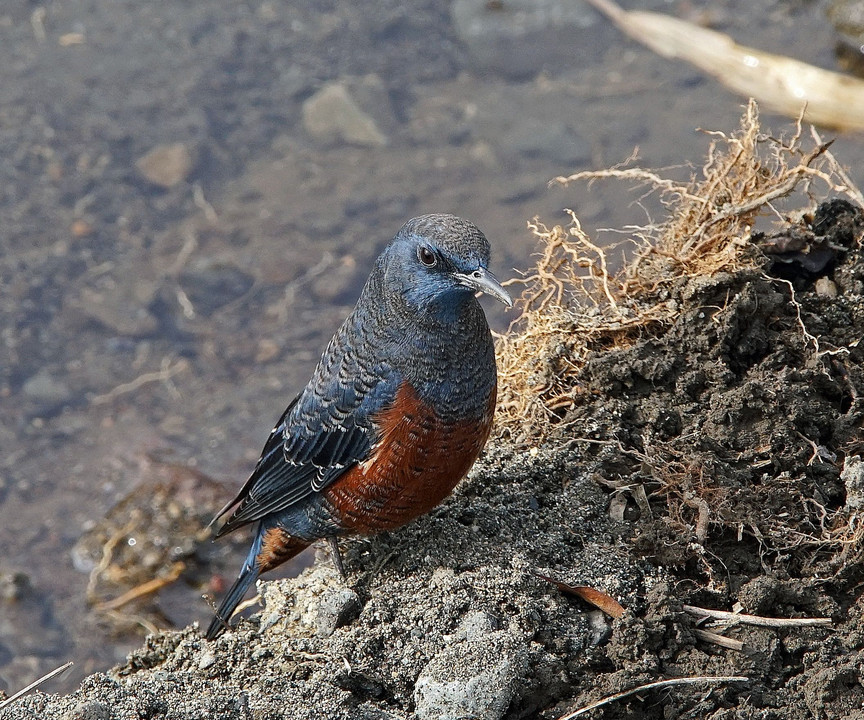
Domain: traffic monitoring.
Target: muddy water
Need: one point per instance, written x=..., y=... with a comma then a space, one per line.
x=159, y=310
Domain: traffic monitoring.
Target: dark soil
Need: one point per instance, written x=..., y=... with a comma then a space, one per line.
x=737, y=421
x=743, y=424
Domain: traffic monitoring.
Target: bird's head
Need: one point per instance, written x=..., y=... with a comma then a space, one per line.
x=438, y=263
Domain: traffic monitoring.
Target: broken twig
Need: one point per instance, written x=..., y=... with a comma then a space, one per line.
x=717, y=639
x=34, y=684
x=756, y=619
x=144, y=589
x=654, y=686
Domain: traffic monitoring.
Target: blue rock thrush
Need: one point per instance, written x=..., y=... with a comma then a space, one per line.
x=397, y=410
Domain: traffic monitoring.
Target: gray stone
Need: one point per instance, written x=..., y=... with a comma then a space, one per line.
x=599, y=628
x=46, y=389
x=120, y=306
x=14, y=585
x=91, y=711
x=852, y=476
x=471, y=679
x=338, y=607
x=166, y=165
x=371, y=96
x=332, y=115
x=211, y=284
x=519, y=38
x=207, y=659
x=825, y=287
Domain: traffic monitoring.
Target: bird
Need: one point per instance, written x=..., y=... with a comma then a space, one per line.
x=397, y=410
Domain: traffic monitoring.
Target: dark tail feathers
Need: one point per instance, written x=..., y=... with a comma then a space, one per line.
x=248, y=575
x=271, y=548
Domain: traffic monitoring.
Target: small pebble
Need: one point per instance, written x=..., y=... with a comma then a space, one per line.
x=207, y=659
x=338, y=607
x=826, y=287
x=166, y=165
x=331, y=115
x=44, y=388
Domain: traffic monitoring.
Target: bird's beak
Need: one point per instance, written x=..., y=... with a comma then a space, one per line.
x=484, y=281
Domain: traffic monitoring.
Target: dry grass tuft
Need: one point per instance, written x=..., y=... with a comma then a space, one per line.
x=573, y=304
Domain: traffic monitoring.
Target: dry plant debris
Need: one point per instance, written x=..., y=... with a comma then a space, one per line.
x=597, y=598
x=713, y=377
x=672, y=682
x=156, y=535
x=780, y=83
x=572, y=304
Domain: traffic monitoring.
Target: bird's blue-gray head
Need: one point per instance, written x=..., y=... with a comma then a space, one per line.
x=438, y=263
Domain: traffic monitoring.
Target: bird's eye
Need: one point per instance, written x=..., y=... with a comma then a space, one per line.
x=426, y=256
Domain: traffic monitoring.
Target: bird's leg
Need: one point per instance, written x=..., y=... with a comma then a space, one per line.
x=336, y=556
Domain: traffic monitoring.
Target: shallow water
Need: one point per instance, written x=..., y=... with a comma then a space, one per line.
x=144, y=325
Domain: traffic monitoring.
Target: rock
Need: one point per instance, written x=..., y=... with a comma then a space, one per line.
x=207, y=659
x=211, y=284
x=519, y=38
x=825, y=287
x=331, y=116
x=166, y=165
x=852, y=476
x=370, y=94
x=338, y=607
x=46, y=390
x=122, y=307
x=475, y=678
x=92, y=711
x=598, y=628
x=319, y=595
x=14, y=586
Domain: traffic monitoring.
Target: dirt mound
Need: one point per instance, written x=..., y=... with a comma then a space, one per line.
x=445, y=618
x=742, y=415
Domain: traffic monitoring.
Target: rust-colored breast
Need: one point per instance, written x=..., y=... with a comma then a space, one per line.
x=414, y=466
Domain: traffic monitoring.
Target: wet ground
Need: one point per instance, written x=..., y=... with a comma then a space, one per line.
x=158, y=311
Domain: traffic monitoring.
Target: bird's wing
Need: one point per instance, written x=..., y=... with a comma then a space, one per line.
x=325, y=431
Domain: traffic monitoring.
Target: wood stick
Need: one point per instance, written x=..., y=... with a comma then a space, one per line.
x=757, y=619
x=35, y=683
x=717, y=639
x=654, y=686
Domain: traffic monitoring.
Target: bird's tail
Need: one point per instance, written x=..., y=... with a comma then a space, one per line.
x=272, y=547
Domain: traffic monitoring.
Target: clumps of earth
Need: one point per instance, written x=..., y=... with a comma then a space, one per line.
x=683, y=435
